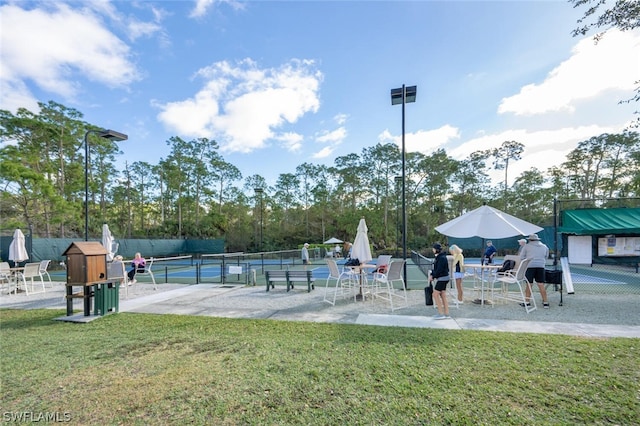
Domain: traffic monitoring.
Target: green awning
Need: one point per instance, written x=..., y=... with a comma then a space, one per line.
x=601, y=221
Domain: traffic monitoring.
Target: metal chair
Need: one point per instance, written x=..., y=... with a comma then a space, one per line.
x=383, y=288
x=346, y=282
x=117, y=270
x=30, y=271
x=6, y=279
x=147, y=272
x=517, y=280
x=382, y=263
x=44, y=264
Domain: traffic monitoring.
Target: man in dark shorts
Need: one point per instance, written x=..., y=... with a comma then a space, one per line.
x=305, y=255
x=538, y=253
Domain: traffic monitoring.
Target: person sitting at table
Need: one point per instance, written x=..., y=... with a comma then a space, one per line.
x=489, y=254
x=440, y=274
x=458, y=270
x=137, y=265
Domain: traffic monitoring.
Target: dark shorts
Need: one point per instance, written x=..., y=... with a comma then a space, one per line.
x=305, y=262
x=535, y=274
x=441, y=285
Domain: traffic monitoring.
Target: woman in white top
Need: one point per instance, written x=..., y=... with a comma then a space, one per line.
x=458, y=269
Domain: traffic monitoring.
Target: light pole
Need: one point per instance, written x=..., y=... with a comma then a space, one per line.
x=107, y=134
x=259, y=191
x=398, y=180
x=404, y=95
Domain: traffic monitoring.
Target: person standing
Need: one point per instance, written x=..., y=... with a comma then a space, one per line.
x=538, y=253
x=440, y=274
x=489, y=253
x=521, y=243
x=137, y=265
x=458, y=270
x=305, y=255
x=347, y=249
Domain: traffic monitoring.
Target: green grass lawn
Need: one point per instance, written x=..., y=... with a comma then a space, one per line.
x=166, y=369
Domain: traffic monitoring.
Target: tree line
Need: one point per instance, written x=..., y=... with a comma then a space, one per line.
x=195, y=193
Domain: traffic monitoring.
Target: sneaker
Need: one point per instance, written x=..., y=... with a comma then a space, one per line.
x=460, y=302
x=545, y=305
x=525, y=304
x=439, y=316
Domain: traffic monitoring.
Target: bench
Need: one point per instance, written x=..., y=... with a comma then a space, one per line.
x=275, y=277
x=289, y=277
x=301, y=277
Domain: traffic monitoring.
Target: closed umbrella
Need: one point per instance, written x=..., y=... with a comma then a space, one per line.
x=361, y=249
x=17, y=248
x=108, y=242
x=487, y=222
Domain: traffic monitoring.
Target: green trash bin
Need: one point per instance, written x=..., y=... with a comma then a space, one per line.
x=107, y=298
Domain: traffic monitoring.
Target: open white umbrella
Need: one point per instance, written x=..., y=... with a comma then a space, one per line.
x=17, y=248
x=333, y=240
x=361, y=249
x=108, y=242
x=487, y=222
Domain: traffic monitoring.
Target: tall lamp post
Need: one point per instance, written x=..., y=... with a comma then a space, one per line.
x=404, y=95
x=398, y=180
x=259, y=191
x=107, y=134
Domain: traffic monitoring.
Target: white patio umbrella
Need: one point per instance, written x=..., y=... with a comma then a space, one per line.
x=17, y=248
x=107, y=242
x=361, y=249
x=333, y=240
x=487, y=222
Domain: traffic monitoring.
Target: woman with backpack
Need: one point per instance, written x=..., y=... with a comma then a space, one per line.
x=440, y=274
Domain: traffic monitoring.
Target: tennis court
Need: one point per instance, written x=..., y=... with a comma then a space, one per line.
x=248, y=269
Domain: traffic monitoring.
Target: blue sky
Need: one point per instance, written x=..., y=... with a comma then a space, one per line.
x=281, y=83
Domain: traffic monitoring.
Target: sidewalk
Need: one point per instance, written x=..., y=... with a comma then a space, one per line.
x=581, y=315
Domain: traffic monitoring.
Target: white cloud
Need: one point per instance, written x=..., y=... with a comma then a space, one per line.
x=543, y=148
x=243, y=106
x=324, y=152
x=291, y=141
x=202, y=6
x=56, y=49
x=612, y=64
x=424, y=141
x=335, y=136
x=341, y=119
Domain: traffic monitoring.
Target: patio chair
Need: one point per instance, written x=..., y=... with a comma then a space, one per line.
x=383, y=288
x=44, y=264
x=512, y=287
x=147, y=272
x=118, y=270
x=382, y=263
x=29, y=273
x=346, y=282
x=5, y=277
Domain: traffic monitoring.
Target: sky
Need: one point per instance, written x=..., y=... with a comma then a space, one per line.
x=282, y=83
